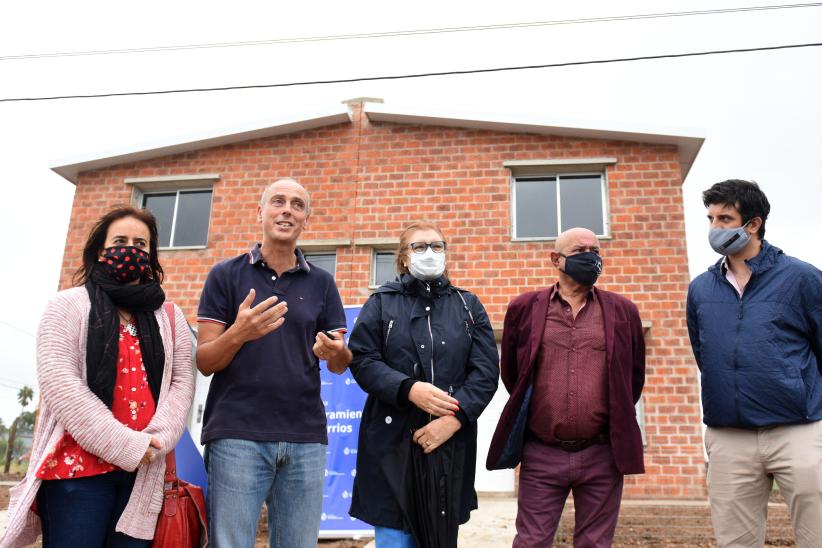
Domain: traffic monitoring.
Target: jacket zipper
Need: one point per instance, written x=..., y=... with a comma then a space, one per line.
x=390, y=325
x=431, y=335
x=740, y=314
x=470, y=316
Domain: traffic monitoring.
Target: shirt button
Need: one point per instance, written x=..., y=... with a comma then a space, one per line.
x=273, y=277
x=388, y=419
x=427, y=308
x=443, y=342
x=573, y=371
x=422, y=346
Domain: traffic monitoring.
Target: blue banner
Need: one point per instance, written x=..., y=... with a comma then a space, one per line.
x=190, y=466
x=344, y=401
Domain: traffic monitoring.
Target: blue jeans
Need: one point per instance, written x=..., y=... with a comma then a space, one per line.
x=84, y=511
x=242, y=474
x=385, y=537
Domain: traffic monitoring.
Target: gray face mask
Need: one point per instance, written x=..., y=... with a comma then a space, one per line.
x=728, y=241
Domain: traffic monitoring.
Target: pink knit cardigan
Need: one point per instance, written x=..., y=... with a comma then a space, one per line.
x=68, y=404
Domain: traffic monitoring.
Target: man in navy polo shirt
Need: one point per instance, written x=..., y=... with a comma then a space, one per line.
x=261, y=322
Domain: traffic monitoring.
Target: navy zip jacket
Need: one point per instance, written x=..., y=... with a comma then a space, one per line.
x=759, y=354
x=412, y=330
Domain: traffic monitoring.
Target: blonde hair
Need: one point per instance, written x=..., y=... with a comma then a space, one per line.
x=405, y=239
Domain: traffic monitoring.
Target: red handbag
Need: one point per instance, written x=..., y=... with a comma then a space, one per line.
x=182, y=522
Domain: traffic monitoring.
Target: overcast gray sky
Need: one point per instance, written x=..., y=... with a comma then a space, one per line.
x=760, y=112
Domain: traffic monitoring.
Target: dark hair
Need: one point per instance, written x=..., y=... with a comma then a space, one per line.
x=745, y=196
x=405, y=239
x=97, y=239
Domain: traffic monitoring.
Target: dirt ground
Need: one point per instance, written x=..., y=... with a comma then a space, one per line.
x=4, y=489
x=262, y=538
x=657, y=524
x=4, y=497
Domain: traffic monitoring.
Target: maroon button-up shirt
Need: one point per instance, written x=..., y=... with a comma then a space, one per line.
x=570, y=400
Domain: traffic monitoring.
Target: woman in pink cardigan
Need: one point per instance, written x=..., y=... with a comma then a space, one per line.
x=116, y=388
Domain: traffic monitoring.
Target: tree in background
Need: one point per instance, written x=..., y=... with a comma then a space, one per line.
x=2, y=437
x=24, y=396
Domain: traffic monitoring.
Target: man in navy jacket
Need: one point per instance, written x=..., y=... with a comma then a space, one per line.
x=573, y=360
x=755, y=324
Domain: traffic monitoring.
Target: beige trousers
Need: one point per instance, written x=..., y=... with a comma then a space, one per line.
x=742, y=465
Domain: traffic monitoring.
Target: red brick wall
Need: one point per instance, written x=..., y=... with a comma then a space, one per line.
x=367, y=180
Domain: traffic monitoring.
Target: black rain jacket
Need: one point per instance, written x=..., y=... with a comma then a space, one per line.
x=430, y=331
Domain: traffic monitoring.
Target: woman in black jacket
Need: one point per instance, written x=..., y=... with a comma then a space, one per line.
x=424, y=351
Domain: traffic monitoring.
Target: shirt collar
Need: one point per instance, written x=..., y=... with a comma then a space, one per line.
x=255, y=255
x=591, y=296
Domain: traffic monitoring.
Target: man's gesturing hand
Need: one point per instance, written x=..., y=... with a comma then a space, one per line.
x=262, y=319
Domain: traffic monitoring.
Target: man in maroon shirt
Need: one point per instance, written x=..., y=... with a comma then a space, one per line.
x=573, y=360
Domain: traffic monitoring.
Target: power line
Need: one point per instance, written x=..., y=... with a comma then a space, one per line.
x=23, y=331
x=13, y=383
x=417, y=32
x=409, y=76
x=14, y=387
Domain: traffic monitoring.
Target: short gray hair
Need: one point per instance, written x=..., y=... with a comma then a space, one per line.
x=289, y=179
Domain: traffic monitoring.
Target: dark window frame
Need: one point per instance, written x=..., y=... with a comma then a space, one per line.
x=310, y=254
x=373, y=273
x=145, y=194
x=558, y=177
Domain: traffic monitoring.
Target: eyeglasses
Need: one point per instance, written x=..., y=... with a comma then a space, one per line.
x=421, y=247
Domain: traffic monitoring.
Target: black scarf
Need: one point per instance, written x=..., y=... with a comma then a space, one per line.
x=102, y=349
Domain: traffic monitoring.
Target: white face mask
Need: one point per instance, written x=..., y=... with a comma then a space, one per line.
x=428, y=265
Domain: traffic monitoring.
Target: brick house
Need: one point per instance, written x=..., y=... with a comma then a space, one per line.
x=500, y=188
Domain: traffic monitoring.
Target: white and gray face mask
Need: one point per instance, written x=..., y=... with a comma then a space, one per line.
x=727, y=241
x=427, y=266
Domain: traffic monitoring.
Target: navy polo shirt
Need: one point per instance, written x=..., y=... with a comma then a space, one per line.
x=271, y=389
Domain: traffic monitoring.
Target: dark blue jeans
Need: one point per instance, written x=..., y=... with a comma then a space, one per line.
x=83, y=511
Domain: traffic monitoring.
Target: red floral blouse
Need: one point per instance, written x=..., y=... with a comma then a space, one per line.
x=133, y=405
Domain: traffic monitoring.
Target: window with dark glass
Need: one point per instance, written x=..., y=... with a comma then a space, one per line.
x=326, y=261
x=383, y=269
x=182, y=216
x=546, y=206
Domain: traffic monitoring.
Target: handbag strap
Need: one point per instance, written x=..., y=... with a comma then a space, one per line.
x=171, y=468
x=171, y=462
x=168, y=306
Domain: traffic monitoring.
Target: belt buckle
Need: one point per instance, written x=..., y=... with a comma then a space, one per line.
x=570, y=445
